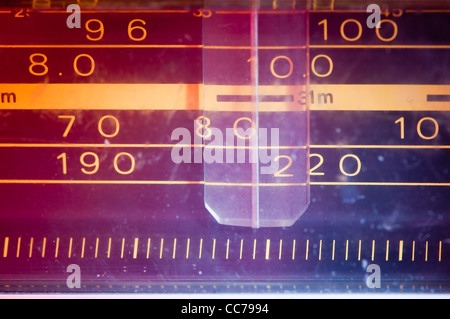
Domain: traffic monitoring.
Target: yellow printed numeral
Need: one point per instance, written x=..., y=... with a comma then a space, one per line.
x=40, y=64
x=358, y=24
x=394, y=34
x=236, y=129
x=63, y=158
x=116, y=125
x=280, y=172
x=314, y=69
x=137, y=27
x=419, y=128
x=203, y=129
x=91, y=163
x=401, y=121
x=202, y=13
x=358, y=165
x=101, y=129
x=435, y=124
x=343, y=170
x=22, y=13
x=100, y=30
x=313, y=170
x=288, y=73
x=71, y=119
x=324, y=22
x=131, y=159
x=75, y=65
x=95, y=164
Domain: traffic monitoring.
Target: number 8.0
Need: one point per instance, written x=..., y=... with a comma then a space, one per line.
x=38, y=65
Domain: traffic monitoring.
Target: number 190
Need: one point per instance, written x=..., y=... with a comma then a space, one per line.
x=91, y=163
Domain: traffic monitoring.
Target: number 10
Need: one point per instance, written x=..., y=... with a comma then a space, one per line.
x=401, y=122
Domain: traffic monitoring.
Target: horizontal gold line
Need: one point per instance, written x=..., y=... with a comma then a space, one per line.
x=254, y=184
x=259, y=12
x=375, y=184
x=282, y=147
x=81, y=145
x=318, y=10
x=50, y=46
x=127, y=46
x=393, y=46
x=120, y=11
x=230, y=12
x=137, y=182
x=428, y=11
x=233, y=12
x=161, y=182
x=384, y=146
x=364, y=11
x=236, y=12
x=75, y=145
x=224, y=47
x=42, y=181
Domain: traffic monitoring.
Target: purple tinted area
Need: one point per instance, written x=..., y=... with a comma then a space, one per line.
x=96, y=226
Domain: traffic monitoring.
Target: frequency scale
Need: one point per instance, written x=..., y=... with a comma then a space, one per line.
x=220, y=146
